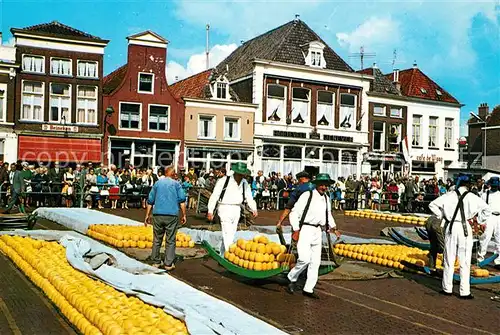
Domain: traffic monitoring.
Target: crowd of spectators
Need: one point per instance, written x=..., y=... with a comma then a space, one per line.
x=98, y=186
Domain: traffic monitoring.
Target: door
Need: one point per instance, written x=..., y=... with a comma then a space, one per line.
x=312, y=170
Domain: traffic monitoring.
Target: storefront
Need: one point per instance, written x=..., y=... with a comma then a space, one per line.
x=205, y=158
x=8, y=146
x=143, y=153
x=59, y=149
x=387, y=165
x=338, y=156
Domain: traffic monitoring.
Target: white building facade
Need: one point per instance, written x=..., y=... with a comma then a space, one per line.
x=311, y=145
x=312, y=105
x=8, y=69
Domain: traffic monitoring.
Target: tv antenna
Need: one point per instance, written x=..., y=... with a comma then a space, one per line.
x=362, y=55
x=394, y=57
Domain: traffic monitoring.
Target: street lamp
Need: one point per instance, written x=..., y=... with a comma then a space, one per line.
x=481, y=120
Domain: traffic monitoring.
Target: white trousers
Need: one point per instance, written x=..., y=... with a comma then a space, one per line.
x=309, y=249
x=229, y=217
x=492, y=229
x=456, y=244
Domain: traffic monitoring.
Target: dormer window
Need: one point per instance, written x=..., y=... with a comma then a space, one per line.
x=423, y=90
x=313, y=53
x=221, y=90
x=315, y=58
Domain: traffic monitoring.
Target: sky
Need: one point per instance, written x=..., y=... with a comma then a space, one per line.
x=456, y=43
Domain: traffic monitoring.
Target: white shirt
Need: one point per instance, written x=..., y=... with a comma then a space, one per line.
x=233, y=194
x=493, y=200
x=316, y=213
x=444, y=206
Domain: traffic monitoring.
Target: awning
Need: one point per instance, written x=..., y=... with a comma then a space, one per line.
x=51, y=149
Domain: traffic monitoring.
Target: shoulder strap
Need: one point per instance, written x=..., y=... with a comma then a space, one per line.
x=488, y=197
x=304, y=213
x=243, y=187
x=224, y=189
x=459, y=207
x=327, y=227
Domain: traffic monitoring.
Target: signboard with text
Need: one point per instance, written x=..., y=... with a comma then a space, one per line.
x=56, y=127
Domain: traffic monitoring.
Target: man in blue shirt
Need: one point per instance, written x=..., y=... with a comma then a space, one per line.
x=164, y=201
x=304, y=185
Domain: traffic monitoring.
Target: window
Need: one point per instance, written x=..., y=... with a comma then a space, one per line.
x=325, y=109
x=423, y=90
x=146, y=83
x=232, y=128
x=416, y=128
x=86, y=104
x=60, y=67
x=222, y=90
x=32, y=101
x=158, y=117
x=448, y=133
x=379, y=110
x=396, y=112
x=33, y=64
x=87, y=69
x=206, y=127
x=292, y=152
x=316, y=58
x=300, y=105
x=347, y=109
x=3, y=101
x=60, y=103
x=394, y=137
x=276, y=103
x=378, y=135
x=433, y=131
x=130, y=115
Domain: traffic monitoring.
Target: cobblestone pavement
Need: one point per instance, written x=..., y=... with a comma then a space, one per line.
x=24, y=308
x=410, y=304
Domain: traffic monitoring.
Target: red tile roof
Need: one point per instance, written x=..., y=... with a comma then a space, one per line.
x=114, y=79
x=192, y=87
x=416, y=84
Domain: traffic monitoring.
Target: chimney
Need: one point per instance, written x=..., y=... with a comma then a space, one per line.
x=297, y=18
x=483, y=110
x=395, y=79
x=415, y=66
x=375, y=66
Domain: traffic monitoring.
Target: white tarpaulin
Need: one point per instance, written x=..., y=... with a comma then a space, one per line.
x=202, y=313
x=79, y=219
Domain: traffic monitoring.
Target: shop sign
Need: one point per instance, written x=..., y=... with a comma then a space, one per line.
x=55, y=127
x=376, y=156
x=428, y=158
x=337, y=138
x=282, y=133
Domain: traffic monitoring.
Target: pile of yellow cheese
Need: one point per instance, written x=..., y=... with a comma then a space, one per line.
x=92, y=307
x=369, y=214
x=387, y=255
x=122, y=236
x=259, y=254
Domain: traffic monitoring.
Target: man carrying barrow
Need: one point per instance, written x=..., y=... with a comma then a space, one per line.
x=230, y=194
x=311, y=215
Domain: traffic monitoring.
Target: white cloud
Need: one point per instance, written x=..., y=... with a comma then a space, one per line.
x=372, y=33
x=197, y=62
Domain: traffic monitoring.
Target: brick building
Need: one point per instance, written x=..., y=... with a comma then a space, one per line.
x=8, y=69
x=58, y=105
x=484, y=127
x=148, y=118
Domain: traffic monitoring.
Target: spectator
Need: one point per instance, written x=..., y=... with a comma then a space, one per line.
x=67, y=191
